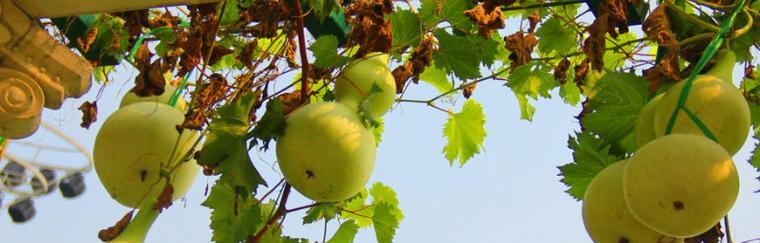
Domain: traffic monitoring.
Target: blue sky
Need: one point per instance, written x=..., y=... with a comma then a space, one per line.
x=508, y=193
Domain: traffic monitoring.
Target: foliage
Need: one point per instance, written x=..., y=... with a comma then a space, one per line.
x=242, y=47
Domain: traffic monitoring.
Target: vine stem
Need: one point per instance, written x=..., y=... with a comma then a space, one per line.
x=301, y=208
x=691, y=18
x=728, y=230
x=542, y=5
x=279, y=213
x=302, y=49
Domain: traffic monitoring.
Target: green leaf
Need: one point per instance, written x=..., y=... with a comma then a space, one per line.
x=616, y=59
x=384, y=194
x=271, y=124
x=487, y=48
x=406, y=29
x=323, y=8
x=355, y=209
x=532, y=80
x=378, y=130
x=465, y=132
x=234, y=216
x=555, y=37
x=590, y=154
x=237, y=169
x=452, y=11
x=225, y=147
x=345, y=233
x=385, y=223
x=457, y=54
x=438, y=78
x=570, y=93
x=230, y=13
x=326, y=211
x=754, y=109
x=526, y=109
x=613, y=108
x=100, y=73
x=325, y=50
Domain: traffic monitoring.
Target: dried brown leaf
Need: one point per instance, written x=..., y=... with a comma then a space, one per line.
x=165, y=198
x=84, y=42
x=521, y=47
x=560, y=72
x=487, y=21
x=114, y=231
x=369, y=28
x=657, y=27
x=467, y=91
x=533, y=19
x=749, y=71
x=89, y=113
x=290, y=101
x=581, y=71
x=150, y=81
x=246, y=54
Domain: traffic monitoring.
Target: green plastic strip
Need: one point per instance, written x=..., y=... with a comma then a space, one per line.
x=711, y=49
x=175, y=97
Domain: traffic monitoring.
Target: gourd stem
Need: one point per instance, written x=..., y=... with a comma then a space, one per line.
x=138, y=228
x=724, y=65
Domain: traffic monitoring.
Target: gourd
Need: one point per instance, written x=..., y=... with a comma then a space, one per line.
x=606, y=216
x=715, y=101
x=326, y=152
x=355, y=84
x=680, y=184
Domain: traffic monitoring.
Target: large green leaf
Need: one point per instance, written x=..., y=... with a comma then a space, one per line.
x=458, y=54
x=345, y=233
x=614, y=105
x=590, y=155
x=555, y=37
x=465, y=132
x=226, y=148
x=452, y=11
x=325, y=50
x=235, y=215
x=437, y=78
x=406, y=29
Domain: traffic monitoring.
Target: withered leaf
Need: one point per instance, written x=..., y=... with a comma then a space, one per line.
x=657, y=27
x=533, y=19
x=150, y=81
x=84, y=42
x=369, y=28
x=114, y=231
x=581, y=71
x=246, y=54
x=165, y=198
x=749, y=71
x=89, y=113
x=521, y=47
x=560, y=72
x=422, y=56
x=290, y=101
x=467, y=91
x=487, y=21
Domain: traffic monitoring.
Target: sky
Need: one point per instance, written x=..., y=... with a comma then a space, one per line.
x=510, y=192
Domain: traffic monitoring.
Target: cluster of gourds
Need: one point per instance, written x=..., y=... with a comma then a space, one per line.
x=327, y=152
x=678, y=184
x=138, y=151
